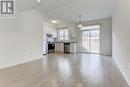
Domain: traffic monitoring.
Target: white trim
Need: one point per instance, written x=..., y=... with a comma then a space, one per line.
x=122, y=72
x=22, y=62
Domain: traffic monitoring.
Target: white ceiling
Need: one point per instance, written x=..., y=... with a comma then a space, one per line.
x=67, y=11
x=22, y=5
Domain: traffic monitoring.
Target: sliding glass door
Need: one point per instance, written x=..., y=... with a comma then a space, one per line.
x=91, y=41
x=94, y=41
x=85, y=41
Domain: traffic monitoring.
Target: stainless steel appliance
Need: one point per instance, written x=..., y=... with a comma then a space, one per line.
x=48, y=44
x=67, y=47
x=51, y=47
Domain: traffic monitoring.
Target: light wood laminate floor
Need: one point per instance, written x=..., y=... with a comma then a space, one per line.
x=64, y=70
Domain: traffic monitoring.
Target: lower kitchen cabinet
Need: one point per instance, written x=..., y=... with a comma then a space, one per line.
x=73, y=47
x=60, y=47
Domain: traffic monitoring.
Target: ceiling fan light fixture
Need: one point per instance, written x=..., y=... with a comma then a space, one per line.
x=54, y=21
x=80, y=25
x=80, y=22
x=38, y=1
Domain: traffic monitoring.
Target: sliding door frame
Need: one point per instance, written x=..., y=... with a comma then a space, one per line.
x=89, y=30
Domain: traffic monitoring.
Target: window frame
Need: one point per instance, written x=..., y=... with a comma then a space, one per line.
x=65, y=35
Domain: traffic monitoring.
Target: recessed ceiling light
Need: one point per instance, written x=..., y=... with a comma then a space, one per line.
x=38, y=1
x=54, y=21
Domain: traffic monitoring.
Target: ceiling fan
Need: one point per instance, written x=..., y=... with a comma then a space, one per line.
x=80, y=21
x=38, y=3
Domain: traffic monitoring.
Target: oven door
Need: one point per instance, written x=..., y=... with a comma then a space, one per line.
x=51, y=47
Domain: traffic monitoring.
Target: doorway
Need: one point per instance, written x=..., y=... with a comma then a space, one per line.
x=91, y=39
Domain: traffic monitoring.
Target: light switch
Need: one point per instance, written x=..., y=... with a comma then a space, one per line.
x=129, y=65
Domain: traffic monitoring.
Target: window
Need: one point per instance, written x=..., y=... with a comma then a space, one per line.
x=63, y=34
x=66, y=34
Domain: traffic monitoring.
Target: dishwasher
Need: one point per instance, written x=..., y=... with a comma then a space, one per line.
x=66, y=47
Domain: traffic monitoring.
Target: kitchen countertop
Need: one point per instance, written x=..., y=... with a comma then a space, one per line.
x=65, y=42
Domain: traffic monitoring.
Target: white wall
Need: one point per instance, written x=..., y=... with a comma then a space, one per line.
x=20, y=38
x=121, y=37
x=105, y=35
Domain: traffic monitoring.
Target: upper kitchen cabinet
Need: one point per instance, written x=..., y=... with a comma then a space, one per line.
x=49, y=29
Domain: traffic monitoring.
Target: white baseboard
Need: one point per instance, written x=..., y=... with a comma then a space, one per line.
x=124, y=76
x=21, y=62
